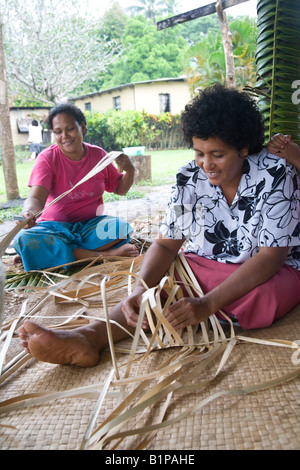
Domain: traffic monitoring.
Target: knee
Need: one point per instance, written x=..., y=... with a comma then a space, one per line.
x=20, y=239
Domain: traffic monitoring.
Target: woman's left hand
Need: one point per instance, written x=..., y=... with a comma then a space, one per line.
x=124, y=163
x=188, y=311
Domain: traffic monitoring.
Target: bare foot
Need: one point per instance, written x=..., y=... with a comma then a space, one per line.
x=17, y=259
x=127, y=249
x=78, y=347
x=124, y=250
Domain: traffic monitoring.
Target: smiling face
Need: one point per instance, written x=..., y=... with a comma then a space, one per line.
x=222, y=164
x=69, y=135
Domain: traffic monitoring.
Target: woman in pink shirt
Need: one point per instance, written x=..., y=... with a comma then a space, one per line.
x=74, y=227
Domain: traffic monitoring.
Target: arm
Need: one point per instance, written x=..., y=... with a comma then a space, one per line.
x=125, y=164
x=34, y=203
x=282, y=146
x=256, y=270
x=156, y=263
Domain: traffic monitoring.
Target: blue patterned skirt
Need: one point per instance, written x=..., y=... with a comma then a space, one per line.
x=50, y=244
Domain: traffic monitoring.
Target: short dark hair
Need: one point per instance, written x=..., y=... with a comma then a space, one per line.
x=225, y=113
x=67, y=108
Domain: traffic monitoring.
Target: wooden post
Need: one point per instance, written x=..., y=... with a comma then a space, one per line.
x=196, y=13
x=142, y=164
x=227, y=44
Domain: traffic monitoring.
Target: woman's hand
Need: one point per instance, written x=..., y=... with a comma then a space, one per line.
x=188, y=311
x=34, y=204
x=27, y=214
x=124, y=163
x=282, y=146
x=131, y=306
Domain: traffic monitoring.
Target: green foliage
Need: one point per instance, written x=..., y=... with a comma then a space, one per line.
x=114, y=130
x=148, y=54
x=99, y=132
x=278, y=65
x=206, y=59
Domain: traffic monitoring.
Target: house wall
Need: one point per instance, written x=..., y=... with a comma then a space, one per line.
x=136, y=96
x=102, y=102
x=147, y=96
x=24, y=116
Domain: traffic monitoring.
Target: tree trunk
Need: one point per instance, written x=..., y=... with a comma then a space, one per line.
x=227, y=44
x=6, y=140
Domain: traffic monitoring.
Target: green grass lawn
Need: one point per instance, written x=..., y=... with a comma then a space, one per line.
x=164, y=166
x=166, y=163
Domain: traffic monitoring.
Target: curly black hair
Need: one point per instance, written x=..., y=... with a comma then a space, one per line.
x=66, y=108
x=225, y=113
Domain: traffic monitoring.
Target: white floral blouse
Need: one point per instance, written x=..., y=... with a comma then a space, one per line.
x=264, y=212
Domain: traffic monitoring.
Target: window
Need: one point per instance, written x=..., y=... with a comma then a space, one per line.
x=117, y=103
x=88, y=106
x=164, y=103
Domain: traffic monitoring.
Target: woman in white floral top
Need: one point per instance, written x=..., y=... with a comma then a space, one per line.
x=235, y=209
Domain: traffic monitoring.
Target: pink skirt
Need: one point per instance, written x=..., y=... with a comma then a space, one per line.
x=260, y=307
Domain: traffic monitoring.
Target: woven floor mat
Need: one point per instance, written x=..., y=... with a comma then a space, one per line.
x=265, y=419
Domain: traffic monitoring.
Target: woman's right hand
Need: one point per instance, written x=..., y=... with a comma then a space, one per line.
x=27, y=214
x=130, y=308
x=34, y=204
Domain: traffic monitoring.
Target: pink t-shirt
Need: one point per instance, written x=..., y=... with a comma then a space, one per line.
x=57, y=173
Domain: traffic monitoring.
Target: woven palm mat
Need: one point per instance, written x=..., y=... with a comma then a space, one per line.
x=264, y=419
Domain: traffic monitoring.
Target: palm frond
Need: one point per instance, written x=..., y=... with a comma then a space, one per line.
x=278, y=65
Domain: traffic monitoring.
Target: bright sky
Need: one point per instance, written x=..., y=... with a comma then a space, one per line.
x=246, y=8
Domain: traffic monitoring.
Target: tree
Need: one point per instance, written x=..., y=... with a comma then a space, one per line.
x=227, y=45
x=206, y=58
x=150, y=8
x=49, y=54
x=6, y=142
x=148, y=54
x=112, y=27
x=169, y=7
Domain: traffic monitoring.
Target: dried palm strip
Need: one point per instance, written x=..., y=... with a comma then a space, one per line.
x=98, y=406
x=39, y=398
x=168, y=369
x=185, y=388
x=8, y=335
x=198, y=406
x=68, y=324
x=109, y=333
x=145, y=442
x=103, y=431
x=169, y=384
x=113, y=281
x=14, y=365
x=224, y=358
x=157, y=420
x=7, y=343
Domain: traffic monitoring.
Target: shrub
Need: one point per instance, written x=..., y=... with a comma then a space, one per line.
x=114, y=130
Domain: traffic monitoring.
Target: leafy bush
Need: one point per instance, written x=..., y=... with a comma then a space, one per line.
x=99, y=132
x=114, y=130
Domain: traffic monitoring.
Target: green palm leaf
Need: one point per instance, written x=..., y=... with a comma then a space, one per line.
x=278, y=65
